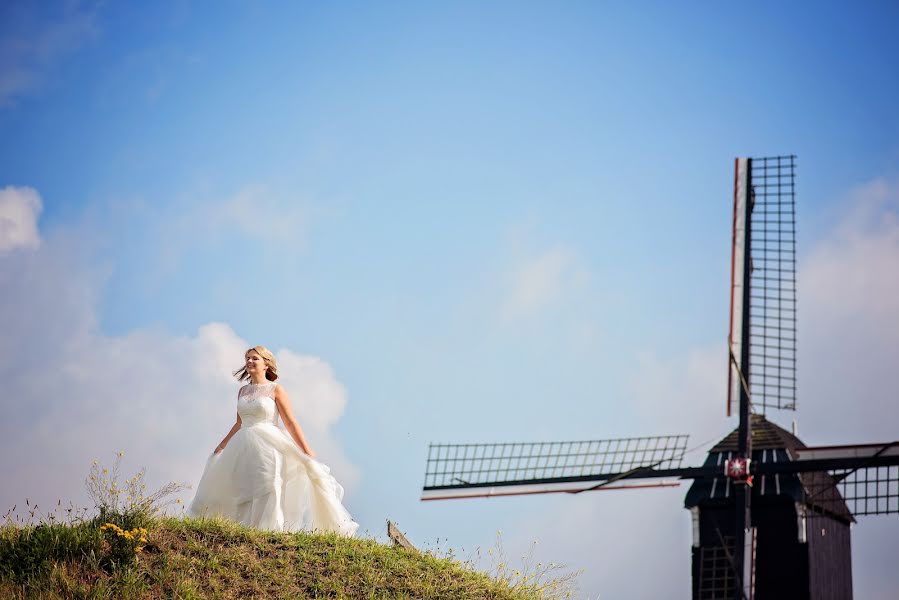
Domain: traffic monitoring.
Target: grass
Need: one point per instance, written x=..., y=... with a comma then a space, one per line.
x=207, y=558
x=128, y=549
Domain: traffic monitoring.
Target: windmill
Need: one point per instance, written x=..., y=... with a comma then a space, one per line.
x=770, y=515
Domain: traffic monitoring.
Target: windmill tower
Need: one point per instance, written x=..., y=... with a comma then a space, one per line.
x=797, y=545
x=770, y=515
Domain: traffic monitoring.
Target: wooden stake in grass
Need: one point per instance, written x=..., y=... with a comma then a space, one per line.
x=394, y=533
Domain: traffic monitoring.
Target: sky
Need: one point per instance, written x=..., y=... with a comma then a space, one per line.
x=457, y=222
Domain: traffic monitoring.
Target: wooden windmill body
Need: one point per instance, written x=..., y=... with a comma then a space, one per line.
x=771, y=516
x=799, y=541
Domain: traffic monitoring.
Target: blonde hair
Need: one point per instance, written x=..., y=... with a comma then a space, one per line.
x=271, y=372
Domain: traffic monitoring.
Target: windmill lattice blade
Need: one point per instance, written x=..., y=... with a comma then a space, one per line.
x=481, y=465
x=772, y=304
x=868, y=491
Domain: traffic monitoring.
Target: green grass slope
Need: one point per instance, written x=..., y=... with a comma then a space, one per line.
x=187, y=558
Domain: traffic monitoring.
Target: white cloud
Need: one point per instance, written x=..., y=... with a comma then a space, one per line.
x=849, y=332
x=854, y=274
x=31, y=45
x=72, y=393
x=19, y=210
x=540, y=282
x=257, y=213
x=252, y=220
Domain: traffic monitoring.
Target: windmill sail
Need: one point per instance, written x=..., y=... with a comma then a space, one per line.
x=737, y=265
x=504, y=469
x=763, y=317
x=867, y=490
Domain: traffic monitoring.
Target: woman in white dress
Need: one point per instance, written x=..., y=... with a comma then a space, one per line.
x=262, y=477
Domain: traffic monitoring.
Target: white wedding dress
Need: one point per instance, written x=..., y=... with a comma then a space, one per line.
x=263, y=480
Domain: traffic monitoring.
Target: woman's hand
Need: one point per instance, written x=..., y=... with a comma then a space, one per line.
x=310, y=453
x=234, y=429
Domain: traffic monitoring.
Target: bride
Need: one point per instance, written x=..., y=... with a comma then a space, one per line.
x=262, y=477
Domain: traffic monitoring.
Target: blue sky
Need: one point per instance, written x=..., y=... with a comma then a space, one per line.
x=485, y=222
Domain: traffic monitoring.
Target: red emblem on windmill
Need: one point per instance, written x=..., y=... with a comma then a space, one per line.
x=738, y=470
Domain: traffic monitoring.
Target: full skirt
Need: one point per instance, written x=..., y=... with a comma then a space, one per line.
x=263, y=480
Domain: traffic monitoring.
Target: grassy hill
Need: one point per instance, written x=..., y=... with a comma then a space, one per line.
x=187, y=558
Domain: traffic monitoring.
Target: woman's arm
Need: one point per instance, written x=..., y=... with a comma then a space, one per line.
x=224, y=443
x=283, y=403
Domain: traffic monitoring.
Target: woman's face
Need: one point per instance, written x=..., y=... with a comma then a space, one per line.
x=255, y=364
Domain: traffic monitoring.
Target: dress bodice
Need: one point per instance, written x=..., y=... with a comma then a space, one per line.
x=256, y=404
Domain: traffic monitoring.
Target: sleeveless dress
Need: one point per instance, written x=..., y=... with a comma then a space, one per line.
x=263, y=480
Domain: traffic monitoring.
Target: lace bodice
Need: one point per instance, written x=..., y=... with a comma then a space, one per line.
x=256, y=404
